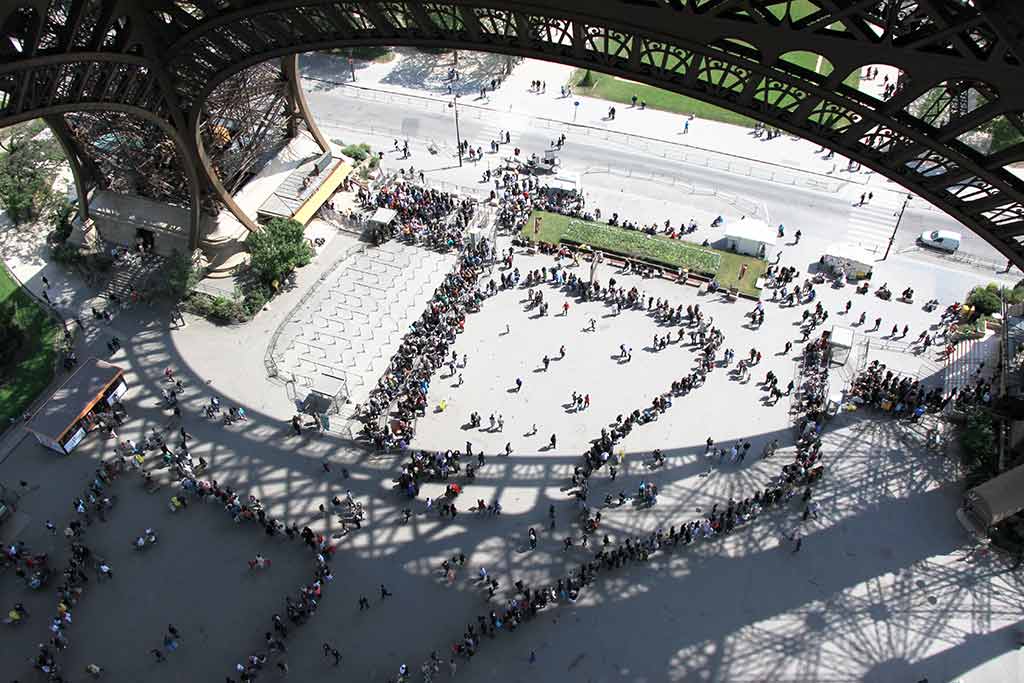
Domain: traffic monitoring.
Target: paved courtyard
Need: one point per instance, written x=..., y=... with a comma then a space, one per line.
x=884, y=589
x=881, y=590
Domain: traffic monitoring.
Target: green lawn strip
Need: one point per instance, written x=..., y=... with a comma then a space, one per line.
x=729, y=272
x=31, y=369
x=618, y=90
x=556, y=228
x=613, y=89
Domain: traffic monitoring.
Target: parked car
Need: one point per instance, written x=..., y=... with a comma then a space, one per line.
x=945, y=240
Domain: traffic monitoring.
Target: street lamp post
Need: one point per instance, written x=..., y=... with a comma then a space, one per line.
x=896, y=227
x=454, y=104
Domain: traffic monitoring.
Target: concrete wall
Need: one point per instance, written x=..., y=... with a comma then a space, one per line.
x=118, y=217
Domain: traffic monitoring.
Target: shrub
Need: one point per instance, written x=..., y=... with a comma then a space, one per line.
x=255, y=299
x=99, y=262
x=278, y=249
x=978, y=443
x=357, y=152
x=62, y=213
x=985, y=299
x=67, y=254
x=179, y=276
x=216, y=307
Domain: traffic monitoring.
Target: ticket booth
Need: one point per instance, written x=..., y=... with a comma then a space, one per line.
x=82, y=404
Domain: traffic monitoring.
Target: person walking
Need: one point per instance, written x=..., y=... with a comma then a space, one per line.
x=554, y=441
x=384, y=592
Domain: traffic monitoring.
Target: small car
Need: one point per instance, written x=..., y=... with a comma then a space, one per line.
x=944, y=240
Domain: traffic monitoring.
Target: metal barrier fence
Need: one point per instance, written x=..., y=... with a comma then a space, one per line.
x=747, y=206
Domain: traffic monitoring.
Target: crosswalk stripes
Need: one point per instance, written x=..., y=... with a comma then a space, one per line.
x=870, y=226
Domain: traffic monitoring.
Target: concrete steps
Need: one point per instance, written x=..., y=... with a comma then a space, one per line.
x=961, y=368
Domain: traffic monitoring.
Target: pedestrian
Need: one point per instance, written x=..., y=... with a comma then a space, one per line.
x=561, y=351
x=364, y=603
x=554, y=441
x=533, y=655
x=384, y=592
x=52, y=527
x=173, y=632
x=46, y=283
x=798, y=542
x=519, y=384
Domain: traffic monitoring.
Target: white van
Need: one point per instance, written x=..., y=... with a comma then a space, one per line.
x=945, y=240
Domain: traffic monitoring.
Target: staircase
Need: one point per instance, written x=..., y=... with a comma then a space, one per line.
x=133, y=272
x=962, y=365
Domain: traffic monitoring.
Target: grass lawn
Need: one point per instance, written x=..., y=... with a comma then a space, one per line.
x=556, y=228
x=364, y=53
x=28, y=369
x=614, y=89
x=619, y=90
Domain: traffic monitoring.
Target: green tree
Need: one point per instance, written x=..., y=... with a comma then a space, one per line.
x=985, y=299
x=28, y=165
x=278, y=249
x=180, y=275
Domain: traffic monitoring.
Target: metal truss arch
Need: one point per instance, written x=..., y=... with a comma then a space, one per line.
x=948, y=133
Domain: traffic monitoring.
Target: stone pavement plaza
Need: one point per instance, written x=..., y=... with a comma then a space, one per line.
x=882, y=590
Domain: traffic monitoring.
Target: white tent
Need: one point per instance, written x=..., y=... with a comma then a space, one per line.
x=852, y=259
x=383, y=217
x=750, y=236
x=566, y=182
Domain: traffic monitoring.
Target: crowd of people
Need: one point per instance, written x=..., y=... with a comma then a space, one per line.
x=881, y=388
x=425, y=216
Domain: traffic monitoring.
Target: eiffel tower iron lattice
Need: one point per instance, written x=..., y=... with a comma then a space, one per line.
x=949, y=131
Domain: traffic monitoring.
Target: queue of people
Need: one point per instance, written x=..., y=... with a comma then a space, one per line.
x=390, y=411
